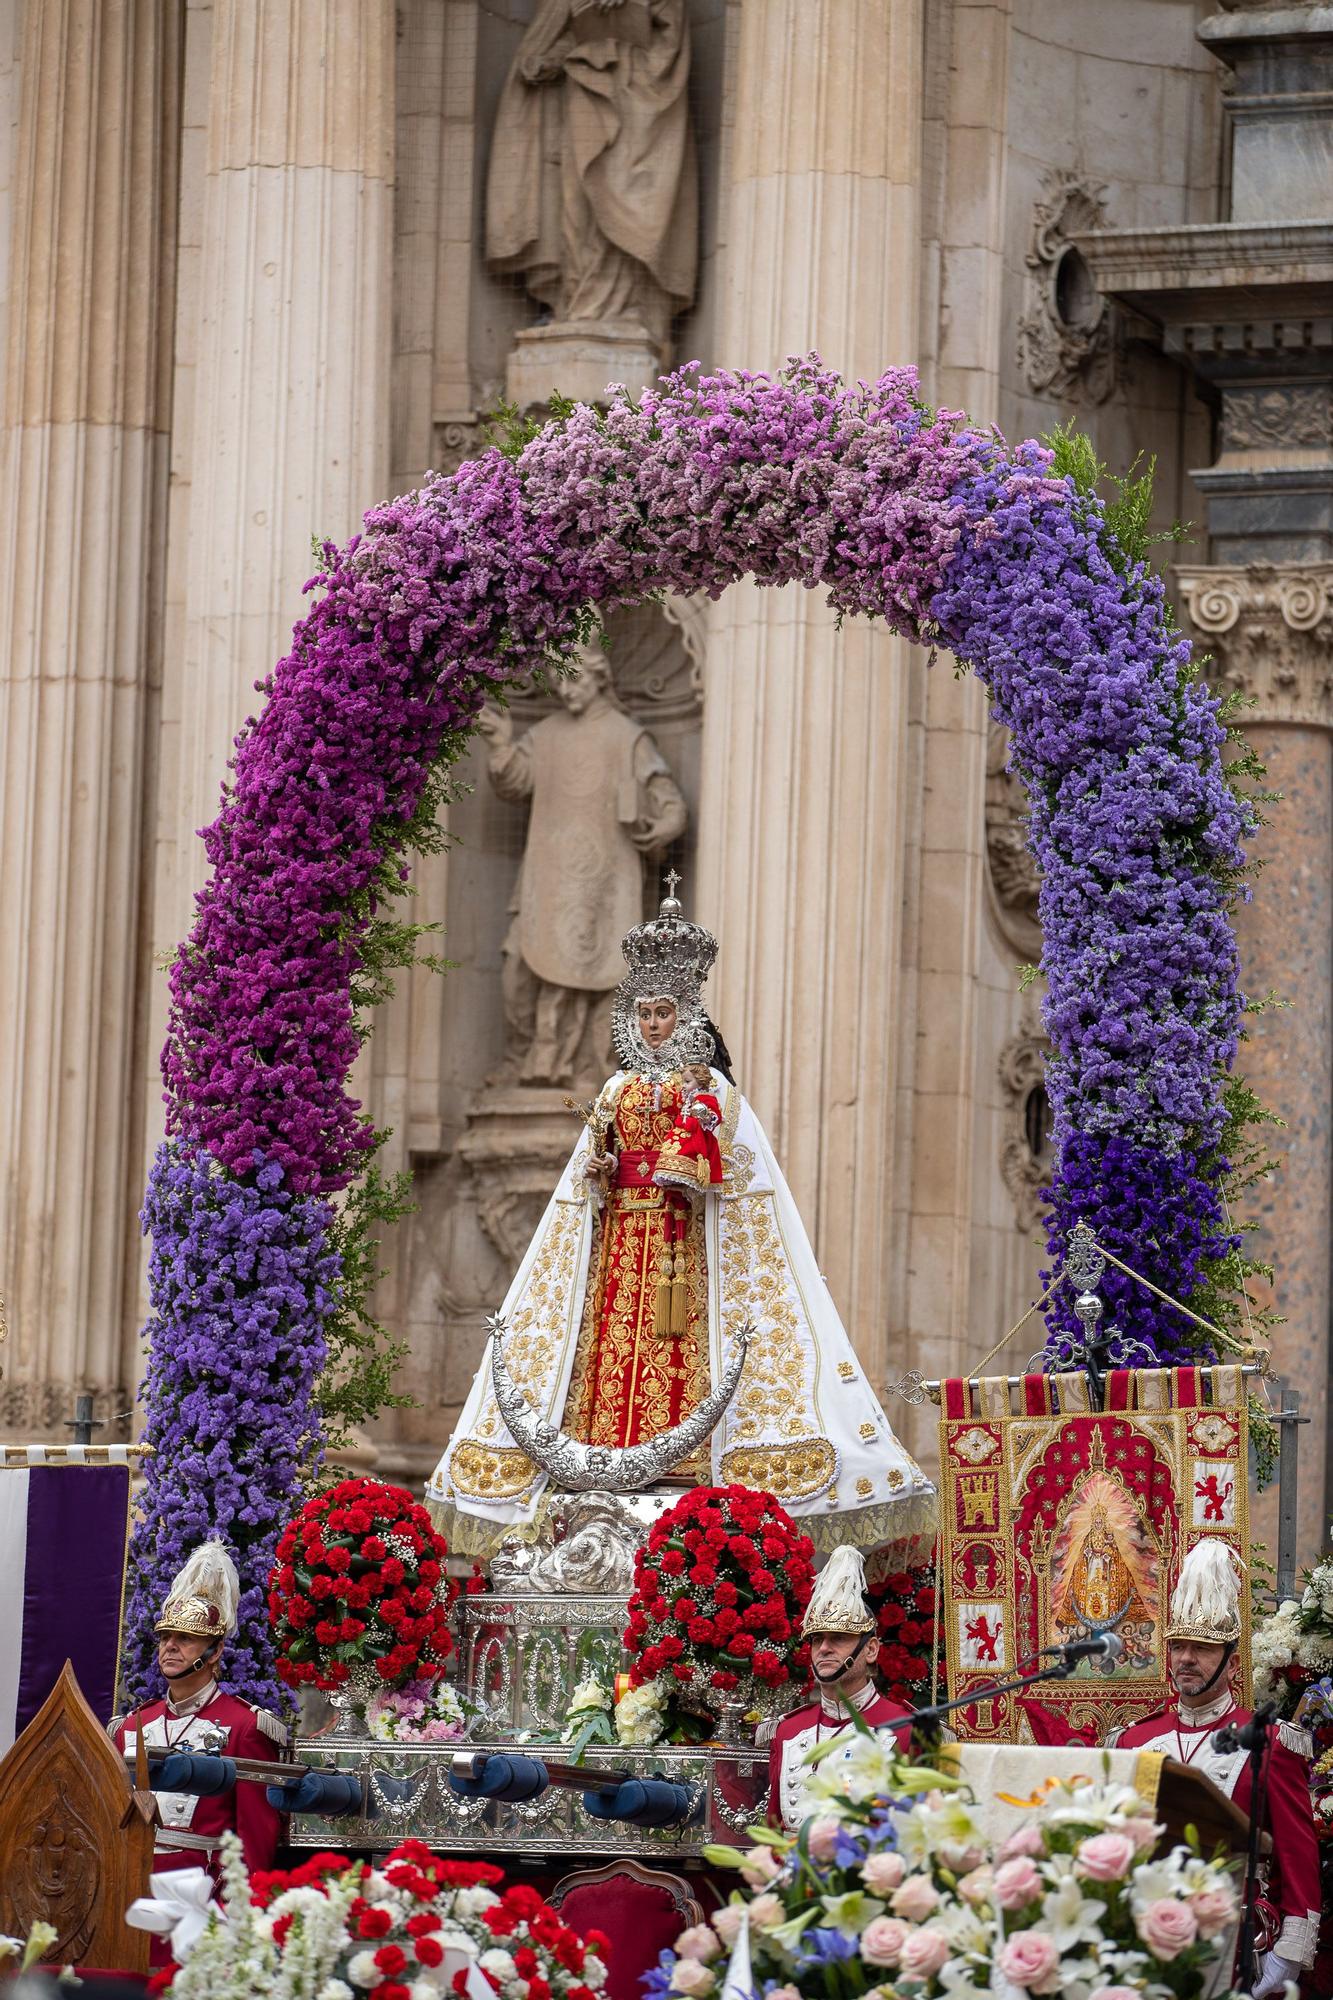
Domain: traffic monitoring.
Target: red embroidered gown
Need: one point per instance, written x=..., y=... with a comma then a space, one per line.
x=630, y=1383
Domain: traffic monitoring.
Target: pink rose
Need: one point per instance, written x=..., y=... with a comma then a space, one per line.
x=692, y=1979
x=882, y=1872
x=1108, y=1993
x=823, y=1839
x=977, y=1886
x=760, y=1866
x=790, y=1993
x=1167, y=1926
x=1107, y=1857
x=1145, y=1833
x=915, y=1899
x=924, y=1952
x=1017, y=1883
x=1025, y=1839
x=1214, y=1909
x=882, y=1941
x=727, y=1923
x=698, y=1942
x=1031, y=1960
x=767, y=1910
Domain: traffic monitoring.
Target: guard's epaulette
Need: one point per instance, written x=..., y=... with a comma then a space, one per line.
x=1292, y=1737
x=270, y=1725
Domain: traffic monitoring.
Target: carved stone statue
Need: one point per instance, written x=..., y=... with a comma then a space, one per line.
x=592, y=195
x=602, y=799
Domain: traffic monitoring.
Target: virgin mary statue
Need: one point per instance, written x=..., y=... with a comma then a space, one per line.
x=672, y=1234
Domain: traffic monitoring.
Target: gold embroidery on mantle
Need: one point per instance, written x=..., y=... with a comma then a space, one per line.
x=773, y=1396
x=531, y=1343
x=791, y=1471
x=490, y=1472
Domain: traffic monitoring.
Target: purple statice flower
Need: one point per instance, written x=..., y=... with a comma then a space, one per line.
x=241, y=1280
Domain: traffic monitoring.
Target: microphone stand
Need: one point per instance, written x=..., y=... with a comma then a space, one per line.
x=928, y=1719
x=1253, y=1736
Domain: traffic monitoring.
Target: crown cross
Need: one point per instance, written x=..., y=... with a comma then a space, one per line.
x=672, y=880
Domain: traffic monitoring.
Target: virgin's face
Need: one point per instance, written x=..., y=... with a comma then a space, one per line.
x=657, y=1021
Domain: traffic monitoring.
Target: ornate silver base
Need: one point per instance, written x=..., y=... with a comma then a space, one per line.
x=408, y=1797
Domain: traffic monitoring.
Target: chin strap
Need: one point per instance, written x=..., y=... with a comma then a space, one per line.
x=826, y=1680
x=1229, y=1647
x=183, y=1673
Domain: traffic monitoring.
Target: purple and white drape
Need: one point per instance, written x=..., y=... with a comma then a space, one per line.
x=63, y=1531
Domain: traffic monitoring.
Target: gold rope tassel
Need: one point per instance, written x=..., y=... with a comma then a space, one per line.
x=662, y=1303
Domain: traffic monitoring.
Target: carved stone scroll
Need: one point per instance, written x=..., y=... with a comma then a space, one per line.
x=1066, y=337
x=76, y=1842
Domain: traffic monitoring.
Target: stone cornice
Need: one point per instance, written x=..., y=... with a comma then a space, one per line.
x=1166, y=271
x=1269, y=628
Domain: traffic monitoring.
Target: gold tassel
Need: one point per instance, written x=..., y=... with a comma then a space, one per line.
x=662, y=1304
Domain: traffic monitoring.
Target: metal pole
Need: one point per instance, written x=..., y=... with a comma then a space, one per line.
x=83, y=1423
x=1290, y=1421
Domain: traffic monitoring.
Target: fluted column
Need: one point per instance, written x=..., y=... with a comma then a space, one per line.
x=82, y=492
x=805, y=728
x=1269, y=627
x=291, y=418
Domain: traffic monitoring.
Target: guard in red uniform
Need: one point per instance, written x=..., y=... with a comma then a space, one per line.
x=1202, y=1638
x=840, y=1626
x=197, y=1619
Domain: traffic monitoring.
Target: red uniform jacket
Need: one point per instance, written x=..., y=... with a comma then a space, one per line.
x=191, y=1828
x=1293, y=1882
x=797, y=1732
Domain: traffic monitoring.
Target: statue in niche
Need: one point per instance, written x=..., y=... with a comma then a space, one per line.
x=603, y=800
x=592, y=194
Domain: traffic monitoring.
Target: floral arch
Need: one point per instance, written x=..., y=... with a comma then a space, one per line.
x=898, y=512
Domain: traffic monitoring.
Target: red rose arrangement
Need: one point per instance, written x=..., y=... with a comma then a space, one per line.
x=405, y=1923
x=904, y=1604
x=358, y=1592
x=719, y=1590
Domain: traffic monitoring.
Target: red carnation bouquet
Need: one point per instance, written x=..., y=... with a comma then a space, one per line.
x=719, y=1590
x=412, y=1924
x=358, y=1597
x=904, y=1605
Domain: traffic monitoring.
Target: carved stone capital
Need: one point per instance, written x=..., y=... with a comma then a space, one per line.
x=1269, y=627
x=36, y=1410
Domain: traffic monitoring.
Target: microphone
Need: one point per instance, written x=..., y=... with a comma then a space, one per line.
x=1106, y=1646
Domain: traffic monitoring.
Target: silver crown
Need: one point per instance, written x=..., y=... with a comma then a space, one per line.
x=668, y=958
x=695, y=1042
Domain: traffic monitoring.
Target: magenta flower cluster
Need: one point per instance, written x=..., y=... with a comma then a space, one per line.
x=895, y=511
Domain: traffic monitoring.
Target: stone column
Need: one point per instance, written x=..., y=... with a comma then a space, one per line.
x=291, y=421
x=1269, y=627
x=805, y=737
x=82, y=494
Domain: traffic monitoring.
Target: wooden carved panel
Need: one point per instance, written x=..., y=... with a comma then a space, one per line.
x=76, y=1843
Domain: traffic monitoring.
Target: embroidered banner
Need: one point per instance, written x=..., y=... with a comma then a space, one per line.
x=1060, y=1523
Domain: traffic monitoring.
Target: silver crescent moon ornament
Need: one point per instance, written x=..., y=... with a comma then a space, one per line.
x=599, y=1468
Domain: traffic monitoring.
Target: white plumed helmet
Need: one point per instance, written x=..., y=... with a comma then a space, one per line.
x=838, y=1601
x=1205, y=1604
x=205, y=1596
